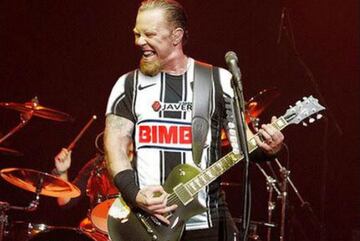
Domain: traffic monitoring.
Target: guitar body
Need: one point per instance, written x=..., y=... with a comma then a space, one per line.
x=141, y=226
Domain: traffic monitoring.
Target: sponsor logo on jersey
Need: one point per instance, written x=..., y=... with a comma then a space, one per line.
x=180, y=106
x=141, y=87
x=165, y=134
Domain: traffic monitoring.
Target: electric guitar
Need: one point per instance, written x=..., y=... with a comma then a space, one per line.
x=183, y=184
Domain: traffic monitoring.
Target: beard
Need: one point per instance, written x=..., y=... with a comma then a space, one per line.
x=150, y=68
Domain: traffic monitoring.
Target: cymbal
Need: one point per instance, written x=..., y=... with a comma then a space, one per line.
x=9, y=151
x=257, y=104
x=27, y=179
x=33, y=108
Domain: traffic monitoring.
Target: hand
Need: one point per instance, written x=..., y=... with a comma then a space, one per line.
x=153, y=199
x=272, y=138
x=63, y=160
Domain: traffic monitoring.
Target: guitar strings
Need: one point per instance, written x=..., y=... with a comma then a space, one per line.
x=173, y=197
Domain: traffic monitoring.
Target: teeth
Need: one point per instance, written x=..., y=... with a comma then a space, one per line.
x=148, y=53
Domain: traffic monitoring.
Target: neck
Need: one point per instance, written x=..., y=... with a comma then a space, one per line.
x=177, y=65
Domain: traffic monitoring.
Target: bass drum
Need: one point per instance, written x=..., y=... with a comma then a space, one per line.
x=21, y=230
x=63, y=234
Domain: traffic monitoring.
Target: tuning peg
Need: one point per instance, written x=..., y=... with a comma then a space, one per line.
x=319, y=116
x=311, y=120
x=304, y=124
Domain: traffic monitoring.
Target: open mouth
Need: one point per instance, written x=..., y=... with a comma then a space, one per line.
x=148, y=53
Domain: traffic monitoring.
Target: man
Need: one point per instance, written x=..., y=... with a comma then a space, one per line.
x=152, y=107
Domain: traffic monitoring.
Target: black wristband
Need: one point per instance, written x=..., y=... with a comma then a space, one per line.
x=125, y=182
x=259, y=156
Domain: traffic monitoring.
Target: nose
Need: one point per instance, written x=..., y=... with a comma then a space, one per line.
x=140, y=40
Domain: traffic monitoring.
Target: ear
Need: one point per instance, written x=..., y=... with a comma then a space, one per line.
x=177, y=34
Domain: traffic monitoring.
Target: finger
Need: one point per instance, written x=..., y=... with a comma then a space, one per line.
x=157, y=200
x=273, y=119
x=155, y=189
x=156, y=207
x=263, y=145
x=166, y=209
x=265, y=135
x=269, y=129
x=65, y=151
x=162, y=219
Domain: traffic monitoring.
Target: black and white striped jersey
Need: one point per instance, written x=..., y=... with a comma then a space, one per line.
x=160, y=107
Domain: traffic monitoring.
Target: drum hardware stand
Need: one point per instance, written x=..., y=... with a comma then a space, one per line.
x=270, y=187
x=24, y=119
x=285, y=176
x=5, y=206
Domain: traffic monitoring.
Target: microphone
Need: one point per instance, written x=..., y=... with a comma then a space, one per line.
x=232, y=63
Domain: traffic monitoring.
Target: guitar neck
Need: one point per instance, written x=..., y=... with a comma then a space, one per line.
x=225, y=163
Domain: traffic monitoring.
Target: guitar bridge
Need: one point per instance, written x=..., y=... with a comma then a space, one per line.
x=147, y=226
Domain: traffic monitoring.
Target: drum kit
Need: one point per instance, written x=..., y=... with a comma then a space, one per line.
x=100, y=190
x=40, y=183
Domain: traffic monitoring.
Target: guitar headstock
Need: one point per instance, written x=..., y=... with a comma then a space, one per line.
x=304, y=109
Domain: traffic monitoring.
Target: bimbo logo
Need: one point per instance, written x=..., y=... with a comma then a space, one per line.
x=164, y=134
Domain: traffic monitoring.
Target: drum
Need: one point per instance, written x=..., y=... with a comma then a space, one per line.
x=62, y=233
x=102, y=193
x=20, y=230
x=99, y=215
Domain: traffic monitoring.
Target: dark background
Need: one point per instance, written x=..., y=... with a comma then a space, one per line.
x=70, y=53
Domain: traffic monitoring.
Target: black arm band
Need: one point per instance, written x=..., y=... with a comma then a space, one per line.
x=125, y=182
x=259, y=156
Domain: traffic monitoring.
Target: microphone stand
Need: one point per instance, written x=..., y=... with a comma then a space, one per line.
x=286, y=25
x=239, y=110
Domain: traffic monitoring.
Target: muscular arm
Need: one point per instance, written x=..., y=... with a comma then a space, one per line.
x=117, y=141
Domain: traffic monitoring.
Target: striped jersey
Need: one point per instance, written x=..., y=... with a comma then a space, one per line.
x=160, y=108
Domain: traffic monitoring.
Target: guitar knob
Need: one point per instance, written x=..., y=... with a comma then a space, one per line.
x=304, y=124
x=182, y=172
x=319, y=116
x=311, y=120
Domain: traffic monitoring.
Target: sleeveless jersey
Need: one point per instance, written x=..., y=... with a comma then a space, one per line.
x=160, y=108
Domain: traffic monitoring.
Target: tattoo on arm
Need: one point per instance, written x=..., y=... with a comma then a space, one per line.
x=117, y=141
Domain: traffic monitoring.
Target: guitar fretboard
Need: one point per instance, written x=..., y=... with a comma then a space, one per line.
x=225, y=163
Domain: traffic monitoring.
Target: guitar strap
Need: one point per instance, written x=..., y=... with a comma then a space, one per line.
x=202, y=92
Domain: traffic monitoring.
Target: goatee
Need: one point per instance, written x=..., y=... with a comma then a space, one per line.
x=150, y=68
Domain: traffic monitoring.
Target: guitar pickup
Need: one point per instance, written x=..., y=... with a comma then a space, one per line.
x=183, y=194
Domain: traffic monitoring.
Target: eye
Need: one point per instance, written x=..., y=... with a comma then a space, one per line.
x=150, y=34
